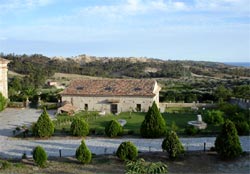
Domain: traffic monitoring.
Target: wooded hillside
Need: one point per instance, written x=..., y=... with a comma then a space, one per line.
x=120, y=67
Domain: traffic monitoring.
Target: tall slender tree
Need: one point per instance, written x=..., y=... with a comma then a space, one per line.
x=154, y=125
x=227, y=143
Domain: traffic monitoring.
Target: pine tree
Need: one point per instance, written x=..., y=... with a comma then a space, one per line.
x=154, y=125
x=227, y=143
x=113, y=128
x=172, y=145
x=127, y=151
x=79, y=127
x=83, y=154
x=44, y=126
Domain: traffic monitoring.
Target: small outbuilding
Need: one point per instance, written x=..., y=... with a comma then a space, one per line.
x=67, y=108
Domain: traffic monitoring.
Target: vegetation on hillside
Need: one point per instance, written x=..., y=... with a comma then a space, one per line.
x=118, y=67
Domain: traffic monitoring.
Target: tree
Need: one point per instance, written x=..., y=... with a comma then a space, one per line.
x=222, y=94
x=154, y=125
x=39, y=156
x=214, y=117
x=44, y=126
x=113, y=128
x=227, y=143
x=79, y=127
x=172, y=145
x=3, y=102
x=127, y=151
x=83, y=154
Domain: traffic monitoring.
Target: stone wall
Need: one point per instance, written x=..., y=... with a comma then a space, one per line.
x=103, y=104
x=242, y=103
x=3, y=78
x=163, y=106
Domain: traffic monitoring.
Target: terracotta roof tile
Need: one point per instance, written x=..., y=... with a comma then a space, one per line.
x=110, y=87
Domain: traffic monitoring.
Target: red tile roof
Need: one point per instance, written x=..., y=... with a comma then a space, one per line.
x=110, y=87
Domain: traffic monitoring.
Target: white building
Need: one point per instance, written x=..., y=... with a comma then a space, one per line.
x=4, y=77
x=112, y=95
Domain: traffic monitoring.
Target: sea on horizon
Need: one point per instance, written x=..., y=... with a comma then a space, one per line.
x=242, y=64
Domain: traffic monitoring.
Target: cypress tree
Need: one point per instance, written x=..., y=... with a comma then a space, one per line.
x=154, y=125
x=44, y=126
x=227, y=143
x=83, y=154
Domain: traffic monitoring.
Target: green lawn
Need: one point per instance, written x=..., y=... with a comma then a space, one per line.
x=97, y=123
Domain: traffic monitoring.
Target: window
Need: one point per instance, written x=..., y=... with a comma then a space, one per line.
x=108, y=88
x=137, y=89
x=138, y=107
x=114, y=108
x=79, y=87
x=86, y=107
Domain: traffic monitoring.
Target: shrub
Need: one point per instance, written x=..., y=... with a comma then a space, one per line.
x=154, y=125
x=227, y=143
x=4, y=164
x=242, y=127
x=83, y=154
x=172, y=145
x=191, y=130
x=79, y=127
x=3, y=102
x=127, y=151
x=39, y=156
x=113, y=128
x=214, y=117
x=174, y=127
x=44, y=126
x=141, y=166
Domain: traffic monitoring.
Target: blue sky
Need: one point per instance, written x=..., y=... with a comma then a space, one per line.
x=212, y=30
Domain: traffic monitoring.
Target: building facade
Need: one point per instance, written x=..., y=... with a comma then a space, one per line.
x=4, y=77
x=112, y=95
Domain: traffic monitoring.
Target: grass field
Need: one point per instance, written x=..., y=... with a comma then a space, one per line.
x=97, y=123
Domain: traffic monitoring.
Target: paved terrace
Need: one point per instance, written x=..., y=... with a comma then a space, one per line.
x=14, y=148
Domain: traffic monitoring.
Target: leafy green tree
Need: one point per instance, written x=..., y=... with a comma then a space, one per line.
x=154, y=125
x=113, y=128
x=214, y=117
x=79, y=127
x=141, y=166
x=127, y=151
x=3, y=102
x=227, y=143
x=222, y=94
x=44, y=126
x=172, y=145
x=40, y=156
x=83, y=154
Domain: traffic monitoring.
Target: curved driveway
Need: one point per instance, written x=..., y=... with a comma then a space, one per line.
x=14, y=148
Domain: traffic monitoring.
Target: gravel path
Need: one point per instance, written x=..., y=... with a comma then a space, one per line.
x=14, y=148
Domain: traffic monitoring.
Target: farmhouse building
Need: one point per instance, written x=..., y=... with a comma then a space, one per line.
x=3, y=77
x=112, y=95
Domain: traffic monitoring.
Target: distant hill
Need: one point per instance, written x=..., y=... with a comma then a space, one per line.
x=121, y=67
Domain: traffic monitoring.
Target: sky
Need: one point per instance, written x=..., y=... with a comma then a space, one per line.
x=210, y=30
